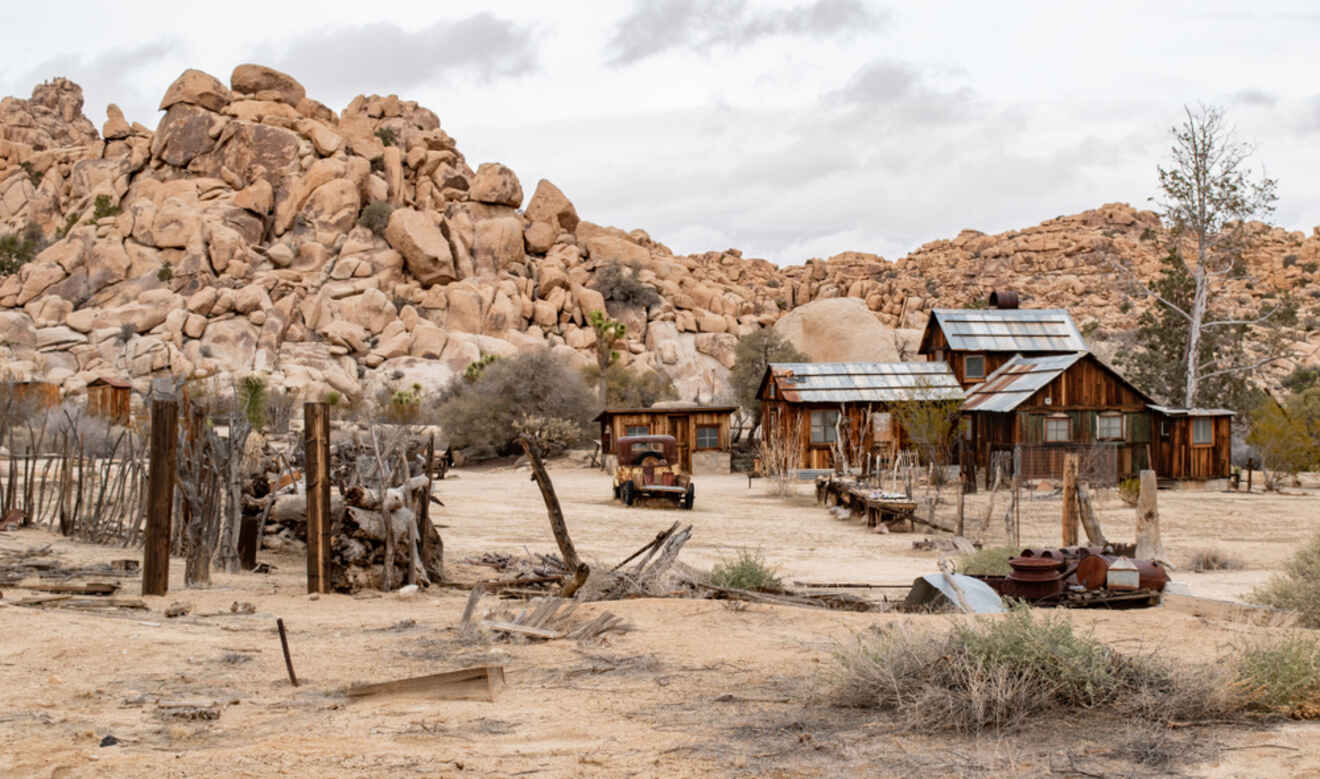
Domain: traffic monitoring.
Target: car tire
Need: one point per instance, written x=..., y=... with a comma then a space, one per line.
x=616, y=492
x=626, y=493
x=689, y=497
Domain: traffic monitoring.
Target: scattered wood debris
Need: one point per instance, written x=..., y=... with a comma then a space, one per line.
x=547, y=618
x=480, y=683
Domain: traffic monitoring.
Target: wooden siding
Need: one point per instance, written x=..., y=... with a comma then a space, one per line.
x=110, y=402
x=956, y=359
x=35, y=396
x=780, y=419
x=1178, y=458
x=681, y=423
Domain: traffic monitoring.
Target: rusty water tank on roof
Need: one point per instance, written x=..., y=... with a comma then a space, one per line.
x=1003, y=298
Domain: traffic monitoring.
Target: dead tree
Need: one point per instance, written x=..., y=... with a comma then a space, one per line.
x=556, y=514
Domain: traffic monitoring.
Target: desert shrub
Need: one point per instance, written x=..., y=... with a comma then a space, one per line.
x=1213, y=560
x=746, y=571
x=252, y=400
x=1289, y=260
x=480, y=414
x=18, y=249
x=549, y=436
x=32, y=174
x=96, y=435
x=401, y=407
x=753, y=352
x=387, y=136
x=103, y=206
x=126, y=332
x=375, y=216
x=629, y=388
x=991, y=561
x=996, y=674
x=333, y=398
x=166, y=273
x=474, y=369
x=1297, y=588
x=1311, y=267
x=1130, y=490
x=1279, y=676
x=620, y=285
x=1287, y=436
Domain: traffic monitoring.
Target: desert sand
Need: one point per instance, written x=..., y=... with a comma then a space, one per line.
x=695, y=688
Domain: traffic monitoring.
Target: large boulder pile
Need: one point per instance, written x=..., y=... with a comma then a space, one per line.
x=257, y=230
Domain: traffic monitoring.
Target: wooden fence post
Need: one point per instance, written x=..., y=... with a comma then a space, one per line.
x=960, y=525
x=1017, y=510
x=1149, y=545
x=160, y=502
x=1070, y=500
x=316, y=443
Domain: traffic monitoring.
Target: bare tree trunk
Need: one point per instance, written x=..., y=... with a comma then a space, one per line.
x=1194, y=336
x=557, y=526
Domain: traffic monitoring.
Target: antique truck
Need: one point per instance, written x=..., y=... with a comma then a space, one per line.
x=649, y=468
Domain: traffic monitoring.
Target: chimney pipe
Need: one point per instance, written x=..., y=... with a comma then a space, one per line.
x=1003, y=299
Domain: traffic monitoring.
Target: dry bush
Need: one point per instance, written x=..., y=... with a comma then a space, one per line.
x=623, y=286
x=747, y=571
x=1281, y=676
x=998, y=674
x=1213, y=560
x=1297, y=588
x=991, y=561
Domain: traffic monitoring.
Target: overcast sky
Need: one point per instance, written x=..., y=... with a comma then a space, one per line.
x=787, y=129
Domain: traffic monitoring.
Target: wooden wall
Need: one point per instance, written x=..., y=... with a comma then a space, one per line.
x=35, y=396
x=110, y=402
x=957, y=360
x=681, y=423
x=781, y=420
x=1177, y=458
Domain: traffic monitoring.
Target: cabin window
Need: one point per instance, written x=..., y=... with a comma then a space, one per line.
x=1203, y=431
x=1109, y=427
x=1058, y=429
x=823, y=425
x=708, y=436
x=638, y=430
x=974, y=366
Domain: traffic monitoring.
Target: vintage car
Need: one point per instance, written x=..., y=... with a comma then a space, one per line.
x=648, y=467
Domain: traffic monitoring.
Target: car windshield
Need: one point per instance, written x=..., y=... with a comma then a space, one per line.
x=663, y=448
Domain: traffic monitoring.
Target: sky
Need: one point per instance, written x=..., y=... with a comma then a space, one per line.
x=788, y=129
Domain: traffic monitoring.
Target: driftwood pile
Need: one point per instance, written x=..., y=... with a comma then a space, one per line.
x=542, y=618
x=46, y=582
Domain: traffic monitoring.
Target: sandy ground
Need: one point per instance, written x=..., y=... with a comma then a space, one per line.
x=697, y=688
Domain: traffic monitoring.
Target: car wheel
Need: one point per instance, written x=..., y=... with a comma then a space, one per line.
x=616, y=492
x=626, y=493
x=689, y=497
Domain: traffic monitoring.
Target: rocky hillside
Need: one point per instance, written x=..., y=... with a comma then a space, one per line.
x=248, y=233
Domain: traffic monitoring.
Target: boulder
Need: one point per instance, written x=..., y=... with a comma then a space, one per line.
x=414, y=235
x=498, y=245
x=496, y=184
x=185, y=133
x=838, y=330
x=608, y=249
x=116, y=126
x=371, y=310
x=721, y=346
x=197, y=88
x=549, y=205
x=539, y=237
x=334, y=206
x=257, y=198
x=252, y=79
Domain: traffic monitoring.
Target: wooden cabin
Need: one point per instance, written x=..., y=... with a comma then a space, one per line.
x=976, y=342
x=702, y=432
x=811, y=406
x=32, y=397
x=110, y=399
x=1044, y=407
x=1192, y=444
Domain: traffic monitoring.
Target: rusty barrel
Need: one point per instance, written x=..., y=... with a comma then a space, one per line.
x=1035, y=577
x=1093, y=572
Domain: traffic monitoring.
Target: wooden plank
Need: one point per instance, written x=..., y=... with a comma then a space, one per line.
x=1069, y=516
x=316, y=445
x=477, y=683
x=160, y=501
x=91, y=588
x=105, y=603
x=522, y=630
x=1149, y=545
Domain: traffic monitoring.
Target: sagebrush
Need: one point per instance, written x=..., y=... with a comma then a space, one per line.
x=1297, y=588
x=748, y=570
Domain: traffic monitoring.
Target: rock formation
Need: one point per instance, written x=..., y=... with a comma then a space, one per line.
x=256, y=230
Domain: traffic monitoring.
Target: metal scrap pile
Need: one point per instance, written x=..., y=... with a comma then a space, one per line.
x=1082, y=576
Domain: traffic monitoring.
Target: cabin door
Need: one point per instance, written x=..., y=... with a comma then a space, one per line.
x=1163, y=436
x=678, y=428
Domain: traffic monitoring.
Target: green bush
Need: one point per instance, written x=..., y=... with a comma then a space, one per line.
x=32, y=174
x=18, y=249
x=376, y=217
x=70, y=221
x=103, y=206
x=166, y=273
x=252, y=400
x=747, y=571
x=991, y=561
x=548, y=435
x=387, y=136
x=621, y=286
x=473, y=370
x=480, y=415
x=1280, y=676
x=629, y=388
x=1297, y=588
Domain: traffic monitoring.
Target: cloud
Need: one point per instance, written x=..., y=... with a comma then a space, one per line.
x=900, y=92
x=366, y=56
x=1253, y=96
x=656, y=26
x=114, y=75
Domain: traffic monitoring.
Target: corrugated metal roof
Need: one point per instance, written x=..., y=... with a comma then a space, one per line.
x=1171, y=411
x=1010, y=330
x=866, y=382
x=676, y=411
x=1016, y=380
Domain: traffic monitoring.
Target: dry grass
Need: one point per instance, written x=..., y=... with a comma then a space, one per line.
x=1210, y=559
x=1280, y=677
x=747, y=571
x=1298, y=587
x=991, y=561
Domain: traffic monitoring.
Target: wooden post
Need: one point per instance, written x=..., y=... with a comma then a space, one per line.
x=1250, y=464
x=1017, y=510
x=556, y=514
x=160, y=502
x=316, y=445
x=959, y=525
x=1149, y=545
x=1070, y=500
x=429, y=548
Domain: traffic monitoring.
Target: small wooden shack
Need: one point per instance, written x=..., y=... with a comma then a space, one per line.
x=1193, y=444
x=702, y=432
x=31, y=397
x=1044, y=407
x=975, y=342
x=111, y=399
x=820, y=410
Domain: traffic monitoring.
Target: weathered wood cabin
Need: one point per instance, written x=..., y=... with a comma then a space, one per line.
x=1043, y=407
x=702, y=432
x=31, y=397
x=976, y=342
x=1192, y=443
x=809, y=406
x=110, y=399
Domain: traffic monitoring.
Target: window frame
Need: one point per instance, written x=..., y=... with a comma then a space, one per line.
x=830, y=431
x=967, y=373
x=1122, y=426
x=697, y=438
x=628, y=430
x=1210, y=426
x=1045, y=433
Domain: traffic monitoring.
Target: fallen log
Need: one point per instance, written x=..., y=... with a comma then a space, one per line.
x=480, y=683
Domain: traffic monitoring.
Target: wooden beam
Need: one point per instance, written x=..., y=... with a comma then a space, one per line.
x=480, y=683
x=1069, y=517
x=1149, y=545
x=160, y=500
x=316, y=445
x=578, y=568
